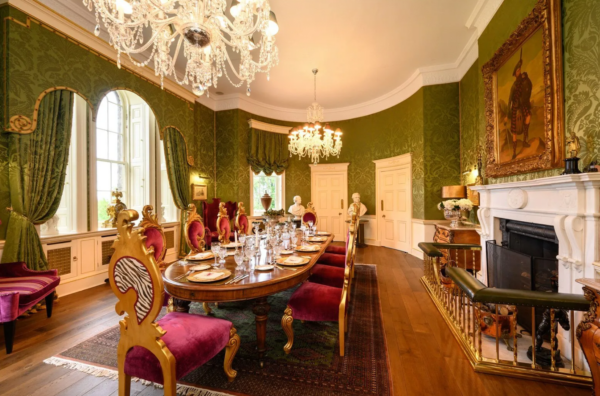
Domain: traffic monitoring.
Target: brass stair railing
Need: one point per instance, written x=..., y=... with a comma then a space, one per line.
x=481, y=318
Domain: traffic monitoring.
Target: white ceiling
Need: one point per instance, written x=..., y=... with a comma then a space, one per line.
x=364, y=49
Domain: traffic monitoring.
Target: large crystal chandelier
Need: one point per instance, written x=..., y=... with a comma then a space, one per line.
x=160, y=28
x=307, y=140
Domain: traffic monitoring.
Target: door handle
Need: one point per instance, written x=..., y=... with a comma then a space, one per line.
x=340, y=214
x=382, y=204
x=383, y=216
x=342, y=203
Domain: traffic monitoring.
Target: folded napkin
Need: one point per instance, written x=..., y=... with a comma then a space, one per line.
x=310, y=247
x=294, y=260
x=202, y=255
x=210, y=275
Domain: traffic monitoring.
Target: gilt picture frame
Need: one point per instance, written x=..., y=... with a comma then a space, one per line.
x=523, y=90
x=199, y=192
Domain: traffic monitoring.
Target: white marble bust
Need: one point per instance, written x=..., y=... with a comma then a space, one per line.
x=297, y=209
x=356, y=199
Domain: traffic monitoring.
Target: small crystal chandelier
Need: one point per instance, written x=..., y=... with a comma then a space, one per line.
x=160, y=28
x=307, y=141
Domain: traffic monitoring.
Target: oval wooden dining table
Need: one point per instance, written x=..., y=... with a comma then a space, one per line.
x=257, y=286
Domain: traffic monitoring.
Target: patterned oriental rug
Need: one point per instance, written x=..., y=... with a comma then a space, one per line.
x=313, y=368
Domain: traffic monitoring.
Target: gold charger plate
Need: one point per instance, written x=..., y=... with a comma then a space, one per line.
x=265, y=267
x=209, y=276
x=286, y=252
x=232, y=245
x=201, y=256
x=308, y=248
x=200, y=267
x=317, y=239
x=283, y=261
x=325, y=233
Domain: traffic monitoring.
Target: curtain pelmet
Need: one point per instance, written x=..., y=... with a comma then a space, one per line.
x=268, y=152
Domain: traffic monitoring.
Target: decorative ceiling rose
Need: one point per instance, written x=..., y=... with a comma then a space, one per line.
x=160, y=28
x=306, y=140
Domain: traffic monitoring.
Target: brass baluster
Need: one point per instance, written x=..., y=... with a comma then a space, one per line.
x=474, y=264
x=533, y=337
x=572, y=334
x=470, y=335
x=464, y=314
x=515, y=337
x=479, y=330
x=496, y=321
x=552, y=343
x=465, y=258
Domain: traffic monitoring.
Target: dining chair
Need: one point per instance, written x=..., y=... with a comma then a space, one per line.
x=242, y=223
x=320, y=303
x=333, y=275
x=155, y=236
x=211, y=211
x=197, y=236
x=164, y=350
x=310, y=214
x=223, y=225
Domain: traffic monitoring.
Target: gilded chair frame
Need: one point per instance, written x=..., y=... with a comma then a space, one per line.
x=310, y=208
x=223, y=216
x=192, y=217
x=150, y=220
x=287, y=319
x=241, y=212
x=146, y=332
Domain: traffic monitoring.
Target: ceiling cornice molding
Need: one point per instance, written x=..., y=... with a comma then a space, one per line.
x=482, y=14
x=264, y=126
x=48, y=16
x=425, y=76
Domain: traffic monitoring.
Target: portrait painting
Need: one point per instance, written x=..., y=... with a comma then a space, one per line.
x=524, y=114
x=199, y=192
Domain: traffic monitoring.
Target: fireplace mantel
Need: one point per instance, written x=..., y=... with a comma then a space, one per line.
x=570, y=203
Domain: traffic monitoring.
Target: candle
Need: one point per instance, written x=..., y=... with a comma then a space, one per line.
x=256, y=241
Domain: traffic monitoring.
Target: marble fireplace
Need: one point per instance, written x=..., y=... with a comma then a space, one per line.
x=571, y=205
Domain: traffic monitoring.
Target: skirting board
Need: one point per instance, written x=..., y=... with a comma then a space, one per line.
x=422, y=231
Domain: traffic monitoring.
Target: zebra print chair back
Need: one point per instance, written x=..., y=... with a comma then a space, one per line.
x=136, y=280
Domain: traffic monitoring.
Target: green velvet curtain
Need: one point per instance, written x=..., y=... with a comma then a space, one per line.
x=179, y=177
x=268, y=152
x=37, y=169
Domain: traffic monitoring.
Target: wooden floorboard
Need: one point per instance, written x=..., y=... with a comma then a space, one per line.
x=425, y=359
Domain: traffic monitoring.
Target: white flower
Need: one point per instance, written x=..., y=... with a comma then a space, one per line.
x=465, y=204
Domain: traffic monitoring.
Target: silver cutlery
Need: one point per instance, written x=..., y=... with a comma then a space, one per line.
x=183, y=275
x=233, y=280
x=240, y=279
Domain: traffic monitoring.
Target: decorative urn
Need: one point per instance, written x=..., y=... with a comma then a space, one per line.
x=266, y=201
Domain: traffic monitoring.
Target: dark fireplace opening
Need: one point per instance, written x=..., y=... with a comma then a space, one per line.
x=525, y=260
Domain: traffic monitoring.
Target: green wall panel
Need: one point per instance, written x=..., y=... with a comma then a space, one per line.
x=581, y=63
x=202, y=148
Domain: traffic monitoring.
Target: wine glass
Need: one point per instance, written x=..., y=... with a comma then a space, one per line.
x=222, y=255
x=215, y=247
x=239, y=258
x=242, y=240
x=278, y=248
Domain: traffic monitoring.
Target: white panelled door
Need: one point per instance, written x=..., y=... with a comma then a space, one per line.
x=394, y=214
x=329, y=183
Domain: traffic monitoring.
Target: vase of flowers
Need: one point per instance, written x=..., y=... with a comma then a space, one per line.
x=452, y=209
x=273, y=215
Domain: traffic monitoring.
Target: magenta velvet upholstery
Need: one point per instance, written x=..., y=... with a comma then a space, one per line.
x=22, y=288
x=231, y=208
x=196, y=230
x=211, y=212
x=192, y=339
x=225, y=226
x=315, y=302
x=327, y=275
x=309, y=217
x=336, y=260
x=244, y=224
x=154, y=239
x=336, y=250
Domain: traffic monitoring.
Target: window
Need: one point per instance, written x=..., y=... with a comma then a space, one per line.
x=273, y=185
x=111, y=164
x=129, y=157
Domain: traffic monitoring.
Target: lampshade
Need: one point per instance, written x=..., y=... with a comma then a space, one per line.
x=452, y=192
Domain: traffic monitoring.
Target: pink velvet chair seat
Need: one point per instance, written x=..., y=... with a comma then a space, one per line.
x=192, y=339
x=196, y=230
x=244, y=224
x=336, y=249
x=327, y=275
x=31, y=289
x=154, y=239
x=333, y=259
x=309, y=217
x=315, y=302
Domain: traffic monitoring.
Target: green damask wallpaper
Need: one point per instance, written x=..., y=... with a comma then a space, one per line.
x=201, y=147
x=4, y=192
x=581, y=46
x=426, y=124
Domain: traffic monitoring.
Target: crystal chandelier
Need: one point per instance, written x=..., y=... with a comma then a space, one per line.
x=160, y=28
x=307, y=140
